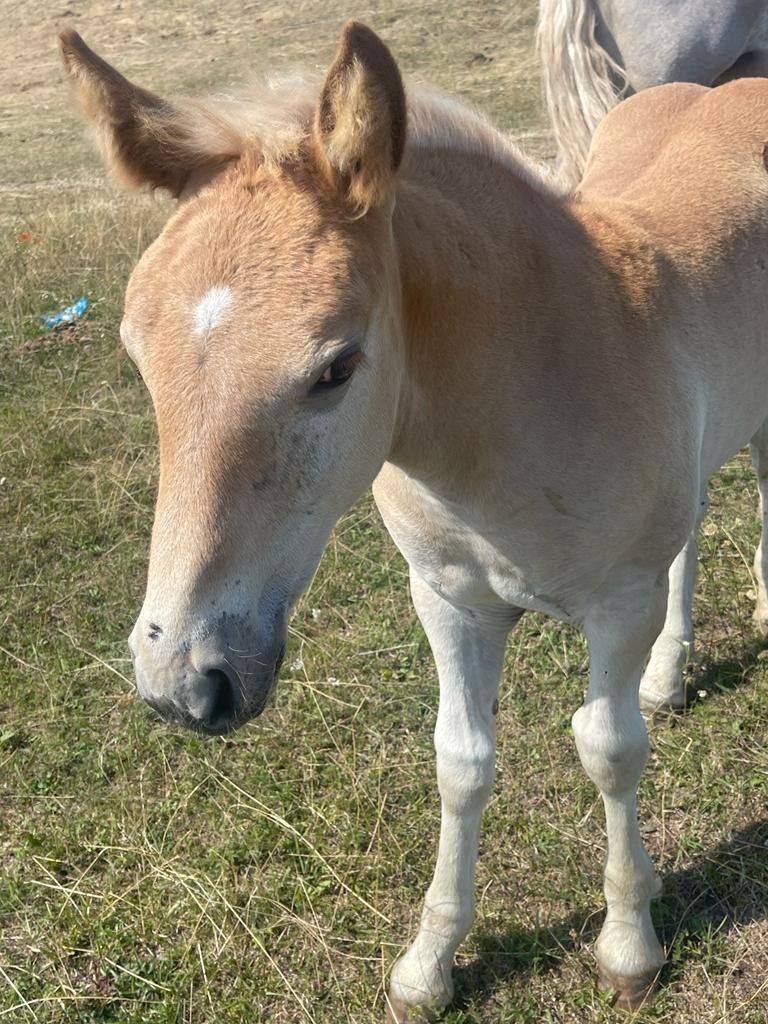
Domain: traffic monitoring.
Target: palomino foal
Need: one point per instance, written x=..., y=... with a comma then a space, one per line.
x=539, y=386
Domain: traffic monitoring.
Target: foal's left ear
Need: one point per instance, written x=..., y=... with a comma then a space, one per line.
x=360, y=123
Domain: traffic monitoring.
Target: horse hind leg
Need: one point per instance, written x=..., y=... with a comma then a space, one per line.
x=663, y=684
x=759, y=451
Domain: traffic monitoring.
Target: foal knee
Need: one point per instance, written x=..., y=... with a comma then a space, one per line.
x=465, y=771
x=613, y=749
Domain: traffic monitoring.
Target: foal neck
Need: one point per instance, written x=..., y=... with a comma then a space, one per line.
x=481, y=251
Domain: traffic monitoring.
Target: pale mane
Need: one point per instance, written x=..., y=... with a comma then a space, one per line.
x=274, y=116
x=437, y=120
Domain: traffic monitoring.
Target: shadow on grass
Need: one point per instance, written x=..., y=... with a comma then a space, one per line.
x=724, y=888
x=726, y=673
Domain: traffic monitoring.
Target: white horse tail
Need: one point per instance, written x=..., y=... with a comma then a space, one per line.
x=579, y=79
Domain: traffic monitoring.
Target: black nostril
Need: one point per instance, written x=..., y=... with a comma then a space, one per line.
x=216, y=709
x=223, y=704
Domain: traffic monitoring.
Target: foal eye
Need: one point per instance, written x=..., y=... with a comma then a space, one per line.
x=339, y=371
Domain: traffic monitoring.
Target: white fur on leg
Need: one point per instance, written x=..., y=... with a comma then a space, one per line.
x=663, y=683
x=760, y=615
x=759, y=452
x=469, y=658
x=613, y=747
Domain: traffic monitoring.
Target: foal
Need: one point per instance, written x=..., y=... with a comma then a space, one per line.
x=537, y=386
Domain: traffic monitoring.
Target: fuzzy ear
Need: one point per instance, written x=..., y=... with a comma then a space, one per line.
x=360, y=124
x=145, y=140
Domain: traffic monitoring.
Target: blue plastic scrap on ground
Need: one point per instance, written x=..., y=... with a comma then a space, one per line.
x=68, y=315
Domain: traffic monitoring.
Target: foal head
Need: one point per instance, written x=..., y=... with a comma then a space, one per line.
x=265, y=323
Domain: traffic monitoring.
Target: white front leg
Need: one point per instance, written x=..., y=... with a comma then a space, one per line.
x=469, y=656
x=613, y=746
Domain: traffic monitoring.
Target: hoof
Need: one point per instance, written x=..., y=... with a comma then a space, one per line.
x=629, y=993
x=652, y=702
x=662, y=687
x=399, y=1013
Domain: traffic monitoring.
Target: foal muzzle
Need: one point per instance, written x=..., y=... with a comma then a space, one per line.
x=208, y=685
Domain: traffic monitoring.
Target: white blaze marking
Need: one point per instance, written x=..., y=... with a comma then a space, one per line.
x=210, y=309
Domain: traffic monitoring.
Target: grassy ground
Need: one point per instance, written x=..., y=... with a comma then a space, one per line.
x=149, y=876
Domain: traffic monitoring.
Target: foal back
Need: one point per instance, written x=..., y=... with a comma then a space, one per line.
x=683, y=167
x=684, y=142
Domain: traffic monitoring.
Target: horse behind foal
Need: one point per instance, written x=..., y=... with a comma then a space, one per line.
x=539, y=386
x=594, y=52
